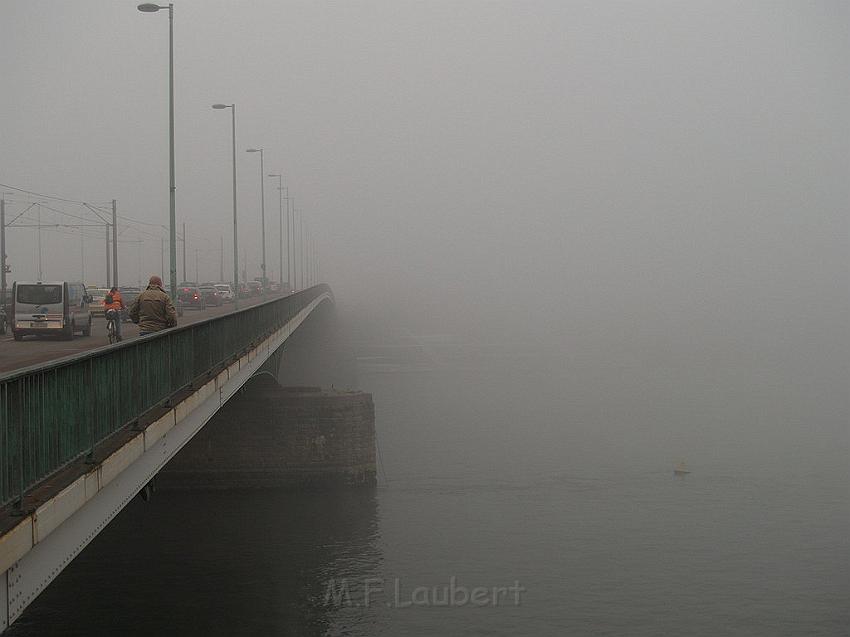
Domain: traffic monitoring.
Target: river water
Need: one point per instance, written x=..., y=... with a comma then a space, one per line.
x=521, y=492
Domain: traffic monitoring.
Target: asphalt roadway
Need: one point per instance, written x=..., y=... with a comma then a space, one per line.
x=40, y=349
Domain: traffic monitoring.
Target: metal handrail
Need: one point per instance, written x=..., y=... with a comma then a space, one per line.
x=57, y=412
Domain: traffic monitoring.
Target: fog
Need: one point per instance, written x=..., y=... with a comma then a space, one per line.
x=584, y=241
x=659, y=185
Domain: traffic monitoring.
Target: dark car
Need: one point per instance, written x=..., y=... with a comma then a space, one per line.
x=244, y=292
x=211, y=295
x=255, y=288
x=189, y=298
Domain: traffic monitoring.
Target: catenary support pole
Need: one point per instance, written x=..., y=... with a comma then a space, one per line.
x=114, y=243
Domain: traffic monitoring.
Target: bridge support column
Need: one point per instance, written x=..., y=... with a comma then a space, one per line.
x=269, y=436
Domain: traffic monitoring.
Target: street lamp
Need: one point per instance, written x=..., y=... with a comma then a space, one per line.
x=290, y=248
x=152, y=8
x=262, y=215
x=232, y=108
x=3, y=249
x=280, y=189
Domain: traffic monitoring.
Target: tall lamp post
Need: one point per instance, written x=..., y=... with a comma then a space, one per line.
x=301, y=249
x=262, y=214
x=232, y=108
x=280, y=189
x=3, y=249
x=290, y=240
x=172, y=222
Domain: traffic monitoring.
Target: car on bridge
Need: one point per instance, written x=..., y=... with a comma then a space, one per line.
x=96, y=296
x=225, y=290
x=211, y=295
x=190, y=298
x=255, y=288
x=56, y=308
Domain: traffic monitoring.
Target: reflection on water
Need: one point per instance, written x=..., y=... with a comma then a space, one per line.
x=252, y=562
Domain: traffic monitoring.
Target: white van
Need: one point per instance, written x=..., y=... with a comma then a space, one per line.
x=55, y=307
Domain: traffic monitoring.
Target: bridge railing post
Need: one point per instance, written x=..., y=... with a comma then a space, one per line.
x=19, y=496
x=90, y=419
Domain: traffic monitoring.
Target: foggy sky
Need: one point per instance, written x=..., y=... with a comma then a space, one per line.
x=653, y=171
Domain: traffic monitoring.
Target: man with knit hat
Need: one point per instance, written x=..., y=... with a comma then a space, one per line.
x=153, y=309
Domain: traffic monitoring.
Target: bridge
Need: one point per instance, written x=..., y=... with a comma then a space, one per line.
x=82, y=435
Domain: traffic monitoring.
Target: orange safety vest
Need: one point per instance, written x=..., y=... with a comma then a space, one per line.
x=116, y=304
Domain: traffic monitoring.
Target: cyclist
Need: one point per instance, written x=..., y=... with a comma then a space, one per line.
x=112, y=306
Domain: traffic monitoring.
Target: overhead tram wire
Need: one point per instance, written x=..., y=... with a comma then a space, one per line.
x=21, y=215
x=96, y=208
x=101, y=212
x=93, y=207
x=37, y=194
x=62, y=212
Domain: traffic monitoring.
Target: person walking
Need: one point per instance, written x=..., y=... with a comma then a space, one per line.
x=153, y=310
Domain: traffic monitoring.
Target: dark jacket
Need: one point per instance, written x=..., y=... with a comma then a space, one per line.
x=153, y=310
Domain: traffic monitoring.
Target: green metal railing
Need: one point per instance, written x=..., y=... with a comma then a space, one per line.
x=56, y=413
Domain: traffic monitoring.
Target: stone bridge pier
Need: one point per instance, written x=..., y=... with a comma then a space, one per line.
x=299, y=423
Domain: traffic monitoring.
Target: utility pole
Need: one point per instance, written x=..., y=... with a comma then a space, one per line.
x=40, y=274
x=280, y=188
x=299, y=241
x=295, y=264
x=185, y=274
x=290, y=241
x=197, y=276
x=221, y=259
x=288, y=271
x=263, y=222
x=3, y=250
x=108, y=280
x=280, y=233
x=114, y=243
x=162, y=255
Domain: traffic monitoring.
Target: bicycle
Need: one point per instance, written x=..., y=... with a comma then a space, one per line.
x=111, y=329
